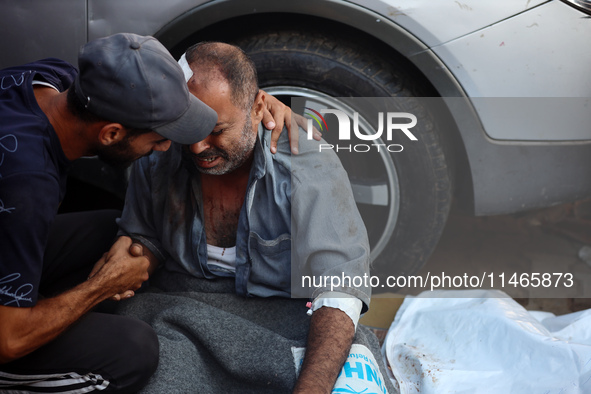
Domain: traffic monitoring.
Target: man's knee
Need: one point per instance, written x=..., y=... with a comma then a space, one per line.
x=118, y=352
x=138, y=352
x=145, y=346
x=76, y=242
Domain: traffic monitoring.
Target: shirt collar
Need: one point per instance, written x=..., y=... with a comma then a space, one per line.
x=261, y=151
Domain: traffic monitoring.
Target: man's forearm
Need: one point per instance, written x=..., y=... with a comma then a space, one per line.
x=329, y=341
x=22, y=330
x=138, y=249
x=26, y=329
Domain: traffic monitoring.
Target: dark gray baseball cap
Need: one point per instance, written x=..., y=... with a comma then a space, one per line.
x=134, y=80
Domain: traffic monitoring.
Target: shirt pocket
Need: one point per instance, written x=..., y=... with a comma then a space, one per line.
x=271, y=261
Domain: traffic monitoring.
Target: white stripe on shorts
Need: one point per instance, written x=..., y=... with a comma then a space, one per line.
x=70, y=383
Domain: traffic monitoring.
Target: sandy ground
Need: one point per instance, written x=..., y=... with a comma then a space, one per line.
x=546, y=241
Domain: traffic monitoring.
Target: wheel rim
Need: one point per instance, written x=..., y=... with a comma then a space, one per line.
x=381, y=195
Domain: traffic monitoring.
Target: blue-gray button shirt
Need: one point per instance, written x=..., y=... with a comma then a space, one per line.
x=298, y=218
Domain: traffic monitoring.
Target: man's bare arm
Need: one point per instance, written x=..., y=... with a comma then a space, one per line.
x=23, y=330
x=329, y=341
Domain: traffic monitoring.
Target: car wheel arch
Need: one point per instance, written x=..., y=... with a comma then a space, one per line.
x=222, y=16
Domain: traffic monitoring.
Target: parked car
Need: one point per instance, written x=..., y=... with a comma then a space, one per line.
x=513, y=133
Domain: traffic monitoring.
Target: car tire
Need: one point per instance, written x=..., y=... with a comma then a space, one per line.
x=318, y=66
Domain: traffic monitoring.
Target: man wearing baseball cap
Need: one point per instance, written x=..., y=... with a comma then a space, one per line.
x=128, y=99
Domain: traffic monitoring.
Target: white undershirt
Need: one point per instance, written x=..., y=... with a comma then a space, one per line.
x=36, y=82
x=222, y=257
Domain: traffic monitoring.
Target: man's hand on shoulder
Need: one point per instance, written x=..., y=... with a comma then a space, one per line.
x=276, y=115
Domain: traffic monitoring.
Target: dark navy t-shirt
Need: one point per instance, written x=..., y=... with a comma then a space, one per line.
x=32, y=177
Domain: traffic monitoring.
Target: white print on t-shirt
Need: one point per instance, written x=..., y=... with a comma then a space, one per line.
x=3, y=209
x=9, y=143
x=6, y=81
x=17, y=295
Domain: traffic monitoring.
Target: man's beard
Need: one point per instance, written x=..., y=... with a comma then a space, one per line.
x=234, y=157
x=119, y=155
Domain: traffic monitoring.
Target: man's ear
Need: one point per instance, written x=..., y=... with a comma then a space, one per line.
x=111, y=133
x=258, y=107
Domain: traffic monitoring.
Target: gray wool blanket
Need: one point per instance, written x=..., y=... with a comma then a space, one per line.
x=213, y=341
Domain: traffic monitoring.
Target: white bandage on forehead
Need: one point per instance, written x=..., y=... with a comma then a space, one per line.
x=185, y=66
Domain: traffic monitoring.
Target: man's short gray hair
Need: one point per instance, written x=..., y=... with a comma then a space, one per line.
x=232, y=63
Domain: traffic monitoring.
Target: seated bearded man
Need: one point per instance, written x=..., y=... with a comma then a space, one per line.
x=231, y=228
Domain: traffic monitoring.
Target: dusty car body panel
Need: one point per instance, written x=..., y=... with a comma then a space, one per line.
x=437, y=22
x=36, y=29
x=549, y=40
x=540, y=53
x=142, y=17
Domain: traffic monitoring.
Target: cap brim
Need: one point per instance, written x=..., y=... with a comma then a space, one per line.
x=193, y=126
